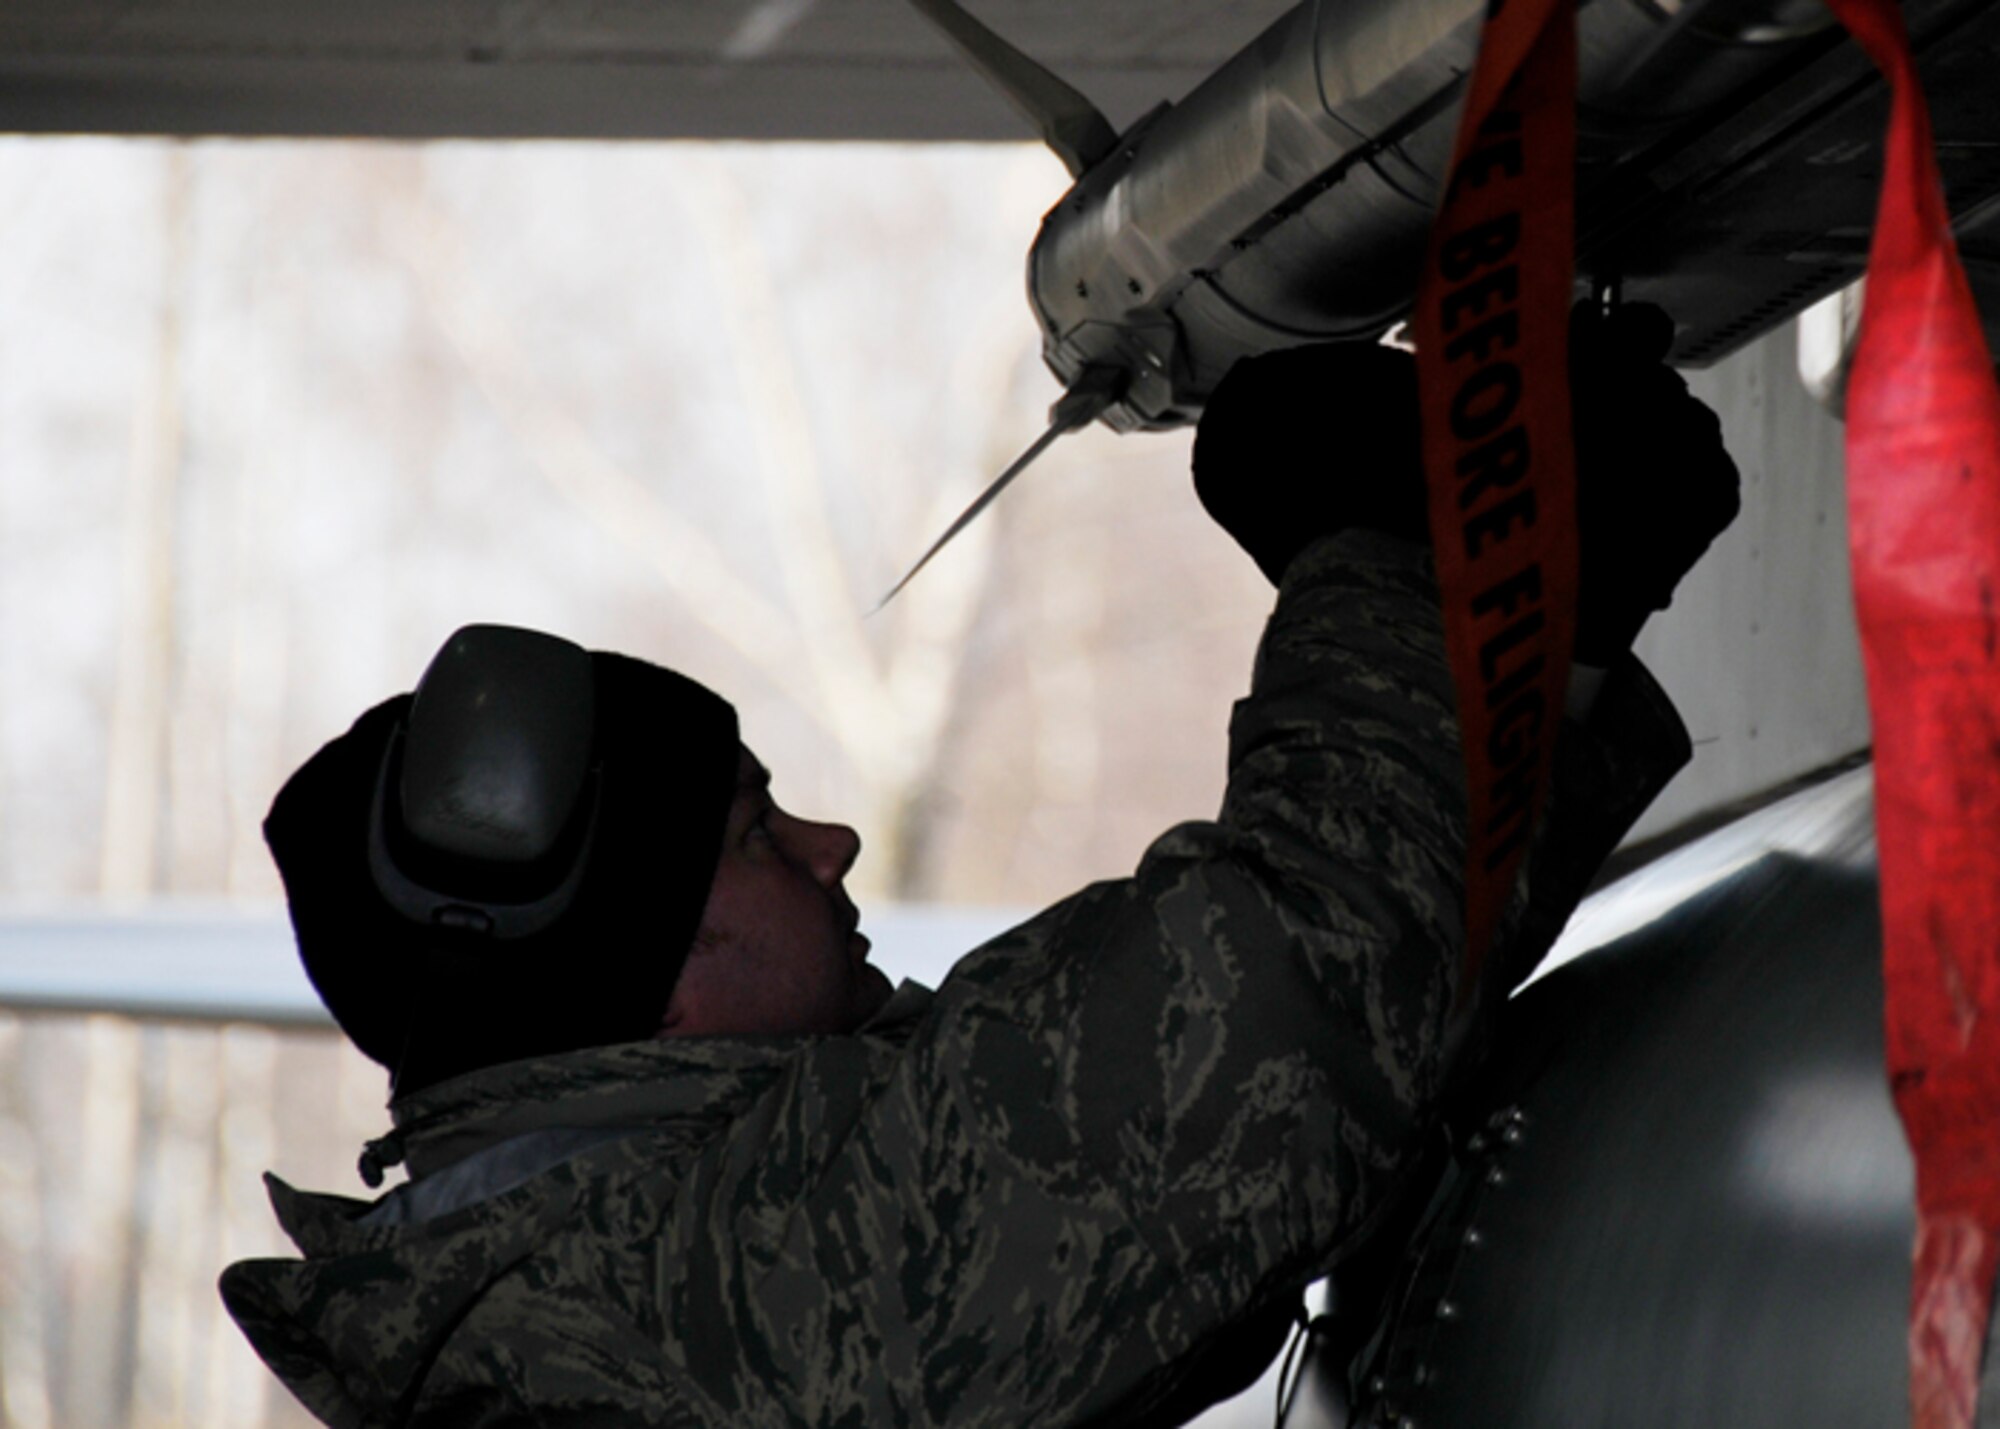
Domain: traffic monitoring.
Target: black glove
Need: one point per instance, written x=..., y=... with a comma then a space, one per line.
x=1299, y=444
x=1654, y=485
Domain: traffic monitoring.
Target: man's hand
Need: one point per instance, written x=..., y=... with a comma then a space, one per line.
x=1654, y=485
x=1299, y=444
x=1303, y=443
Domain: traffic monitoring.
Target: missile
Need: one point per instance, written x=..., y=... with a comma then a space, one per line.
x=1728, y=159
x=1727, y=151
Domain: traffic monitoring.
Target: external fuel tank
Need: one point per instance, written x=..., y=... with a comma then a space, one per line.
x=1681, y=1195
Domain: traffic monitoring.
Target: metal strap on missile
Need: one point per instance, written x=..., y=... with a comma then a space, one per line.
x=1492, y=334
x=1923, y=472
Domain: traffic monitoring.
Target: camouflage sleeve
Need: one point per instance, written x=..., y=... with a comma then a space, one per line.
x=1147, y=1111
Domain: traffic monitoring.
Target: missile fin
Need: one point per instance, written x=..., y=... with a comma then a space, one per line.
x=1068, y=122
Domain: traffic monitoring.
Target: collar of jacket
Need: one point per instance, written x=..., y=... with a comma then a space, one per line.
x=689, y=1082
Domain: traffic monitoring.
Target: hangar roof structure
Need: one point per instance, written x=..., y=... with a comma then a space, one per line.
x=709, y=69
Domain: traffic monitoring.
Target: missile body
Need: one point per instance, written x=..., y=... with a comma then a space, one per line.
x=1726, y=159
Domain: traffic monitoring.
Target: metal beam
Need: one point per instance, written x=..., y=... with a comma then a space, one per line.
x=216, y=964
x=775, y=69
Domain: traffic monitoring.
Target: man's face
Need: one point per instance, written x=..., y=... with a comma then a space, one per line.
x=778, y=951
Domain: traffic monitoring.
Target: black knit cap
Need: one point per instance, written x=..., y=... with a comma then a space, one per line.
x=430, y=1002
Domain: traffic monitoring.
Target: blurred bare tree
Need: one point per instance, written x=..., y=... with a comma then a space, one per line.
x=275, y=417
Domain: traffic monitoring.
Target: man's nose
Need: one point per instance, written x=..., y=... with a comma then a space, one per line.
x=829, y=850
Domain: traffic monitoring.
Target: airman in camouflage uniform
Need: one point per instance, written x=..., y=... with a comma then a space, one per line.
x=1027, y=1198
x=1115, y=1137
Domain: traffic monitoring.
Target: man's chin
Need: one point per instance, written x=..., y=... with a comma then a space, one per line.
x=872, y=991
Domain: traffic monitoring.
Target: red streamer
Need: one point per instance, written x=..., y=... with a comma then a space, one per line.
x=1923, y=473
x=1492, y=336
x=1923, y=456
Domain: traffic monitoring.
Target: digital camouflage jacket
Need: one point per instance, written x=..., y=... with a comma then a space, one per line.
x=1027, y=1199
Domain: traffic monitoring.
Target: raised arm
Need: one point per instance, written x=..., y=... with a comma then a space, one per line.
x=1171, y=1098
